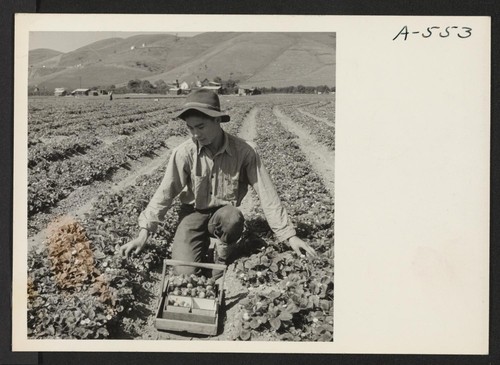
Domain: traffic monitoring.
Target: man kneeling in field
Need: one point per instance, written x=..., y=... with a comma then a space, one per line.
x=211, y=172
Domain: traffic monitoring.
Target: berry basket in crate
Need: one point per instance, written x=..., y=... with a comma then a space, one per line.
x=190, y=303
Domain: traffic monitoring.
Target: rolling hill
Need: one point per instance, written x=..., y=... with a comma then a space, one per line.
x=255, y=59
x=42, y=54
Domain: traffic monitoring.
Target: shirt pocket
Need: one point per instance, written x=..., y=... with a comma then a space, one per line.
x=230, y=188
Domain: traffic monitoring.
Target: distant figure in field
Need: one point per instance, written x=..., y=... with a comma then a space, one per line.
x=110, y=95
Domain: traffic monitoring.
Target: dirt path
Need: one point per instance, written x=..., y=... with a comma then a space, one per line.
x=80, y=201
x=319, y=119
x=322, y=159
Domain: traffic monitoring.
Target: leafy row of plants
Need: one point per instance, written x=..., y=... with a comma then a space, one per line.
x=93, y=123
x=60, y=150
x=324, y=133
x=49, y=182
x=325, y=110
x=71, y=111
x=290, y=298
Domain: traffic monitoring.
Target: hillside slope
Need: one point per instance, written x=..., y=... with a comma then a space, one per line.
x=255, y=59
x=41, y=54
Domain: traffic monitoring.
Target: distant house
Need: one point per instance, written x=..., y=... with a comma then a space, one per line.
x=60, y=91
x=80, y=92
x=213, y=83
x=184, y=85
x=205, y=82
x=174, y=91
x=99, y=92
x=215, y=89
x=248, y=91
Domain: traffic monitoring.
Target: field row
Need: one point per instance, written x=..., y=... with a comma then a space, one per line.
x=324, y=133
x=51, y=181
x=42, y=111
x=324, y=110
x=290, y=298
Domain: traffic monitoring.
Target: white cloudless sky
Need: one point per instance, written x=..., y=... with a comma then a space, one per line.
x=69, y=41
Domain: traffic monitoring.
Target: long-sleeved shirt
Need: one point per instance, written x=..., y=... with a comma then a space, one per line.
x=206, y=181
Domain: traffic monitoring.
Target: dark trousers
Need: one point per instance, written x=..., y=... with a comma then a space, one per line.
x=192, y=238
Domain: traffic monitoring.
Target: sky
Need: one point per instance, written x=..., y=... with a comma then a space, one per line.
x=69, y=41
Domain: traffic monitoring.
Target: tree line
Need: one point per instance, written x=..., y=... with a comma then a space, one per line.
x=161, y=87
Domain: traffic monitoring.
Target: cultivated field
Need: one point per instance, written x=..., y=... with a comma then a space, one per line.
x=93, y=166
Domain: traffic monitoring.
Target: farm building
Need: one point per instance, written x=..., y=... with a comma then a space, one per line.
x=80, y=92
x=215, y=89
x=185, y=89
x=174, y=91
x=99, y=92
x=248, y=91
x=60, y=91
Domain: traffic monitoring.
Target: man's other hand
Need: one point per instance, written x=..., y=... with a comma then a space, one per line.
x=297, y=244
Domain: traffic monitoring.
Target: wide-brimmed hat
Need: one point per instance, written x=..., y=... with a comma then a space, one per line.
x=206, y=102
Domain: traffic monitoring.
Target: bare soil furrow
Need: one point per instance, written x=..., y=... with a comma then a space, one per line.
x=322, y=159
x=319, y=119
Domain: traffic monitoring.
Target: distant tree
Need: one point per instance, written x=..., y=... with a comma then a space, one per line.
x=161, y=86
x=121, y=90
x=217, y=79
x=230, y=83
x=231, y=86
x=301, y=89
x=147, y=87
x=134, y=85
x=323, y=88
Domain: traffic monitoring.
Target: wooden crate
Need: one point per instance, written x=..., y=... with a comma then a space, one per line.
x=201, y=317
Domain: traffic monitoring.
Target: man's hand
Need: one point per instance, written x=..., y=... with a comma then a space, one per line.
x=296, y=244
x=136, y=244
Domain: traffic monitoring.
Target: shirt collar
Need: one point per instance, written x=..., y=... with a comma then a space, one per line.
x=226, y=147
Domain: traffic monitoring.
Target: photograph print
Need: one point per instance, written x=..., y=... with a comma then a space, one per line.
x=181, y=186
